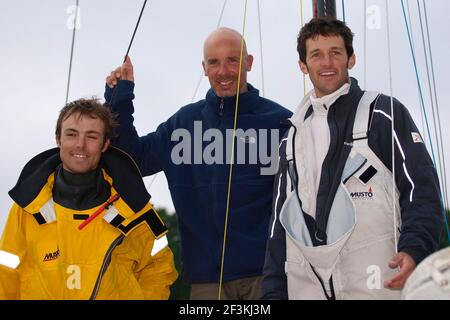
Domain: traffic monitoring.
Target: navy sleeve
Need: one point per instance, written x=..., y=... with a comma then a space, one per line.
x=415, y=176
x=148, y=151
x=274, y=283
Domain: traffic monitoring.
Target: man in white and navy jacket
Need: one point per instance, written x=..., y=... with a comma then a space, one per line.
x=340, y=228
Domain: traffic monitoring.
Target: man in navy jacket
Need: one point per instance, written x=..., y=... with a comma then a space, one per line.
x=193, y=148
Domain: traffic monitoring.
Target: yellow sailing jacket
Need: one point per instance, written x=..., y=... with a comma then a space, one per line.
x=110, y=258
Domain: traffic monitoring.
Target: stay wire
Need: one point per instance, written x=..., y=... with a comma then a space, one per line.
x=426, y=118
x=201, y=73
x=437, y=103
x=232, y=151
x=72, y=50
x=422, y=103
x=410, y=25
x=113, y=94
x=422, y=117
x=197, y=86
x=135, y=29
x=433, y=109
x=388, y=33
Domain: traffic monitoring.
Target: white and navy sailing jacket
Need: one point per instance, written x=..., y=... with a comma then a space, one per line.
x=343, y=252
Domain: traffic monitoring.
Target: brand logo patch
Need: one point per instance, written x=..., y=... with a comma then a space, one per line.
x=362, y=195
x=247, y=139
x=51, y=256
x=416, y=137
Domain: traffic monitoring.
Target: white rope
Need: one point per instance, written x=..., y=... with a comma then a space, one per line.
x=75, y=23
x=365, y=45
x=261, y=50
x=392, y=124
x=301, y=26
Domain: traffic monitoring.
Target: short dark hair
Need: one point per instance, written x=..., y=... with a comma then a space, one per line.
x=88, y=107
x=324, y=27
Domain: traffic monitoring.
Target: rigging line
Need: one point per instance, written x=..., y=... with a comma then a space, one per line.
x=426, y=119
x=198, y=84
x=392, y=125
x=72, y=50
x=422, y=120
x=343, y=10
x=410, y=24
x=113, y=94
x=153, y=180
x=431, y=99
x=135, y=29
x=261, y=49
x=301, y=14
x=201, y=73
x=418, y=83
x=301, y=26
x=232, y=149
x=365, y=45
x=436, y=101
x=439, y=124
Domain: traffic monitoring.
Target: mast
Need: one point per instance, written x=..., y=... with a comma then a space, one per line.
x=324, y=8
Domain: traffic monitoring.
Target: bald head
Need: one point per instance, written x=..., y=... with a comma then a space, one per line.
x=222, y=54
x=223, y=34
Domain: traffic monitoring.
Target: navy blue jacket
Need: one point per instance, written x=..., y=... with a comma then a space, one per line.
x=415, y=176
x=199, y=190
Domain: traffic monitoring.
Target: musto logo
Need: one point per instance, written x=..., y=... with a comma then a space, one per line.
x=365, y=195
x=49, y=256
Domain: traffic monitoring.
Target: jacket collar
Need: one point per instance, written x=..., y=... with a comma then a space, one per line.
x=348, y=101
x=126, y=178
x=247, y=102
x=323, y=104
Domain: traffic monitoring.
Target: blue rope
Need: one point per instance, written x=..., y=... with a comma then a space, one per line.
x=422, y=105
x=343, y=10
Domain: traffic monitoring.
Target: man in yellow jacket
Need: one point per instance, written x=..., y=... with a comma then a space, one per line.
x=81, y=226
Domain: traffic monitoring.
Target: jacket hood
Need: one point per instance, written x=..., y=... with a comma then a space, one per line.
x=126, y=177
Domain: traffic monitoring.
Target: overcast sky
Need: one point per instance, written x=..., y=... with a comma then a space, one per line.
x=167, y=54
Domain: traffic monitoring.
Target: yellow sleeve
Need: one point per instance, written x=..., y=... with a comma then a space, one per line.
x=156, y=273
x=12, y=242
x=9, y=283
x=13, y=237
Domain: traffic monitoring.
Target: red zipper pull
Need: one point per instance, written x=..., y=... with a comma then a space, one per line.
x=99, y=210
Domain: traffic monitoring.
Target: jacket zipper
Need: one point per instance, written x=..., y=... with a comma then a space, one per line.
x=333, y=294
x=105, y=265
x=321, y=217
x=221, y=107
